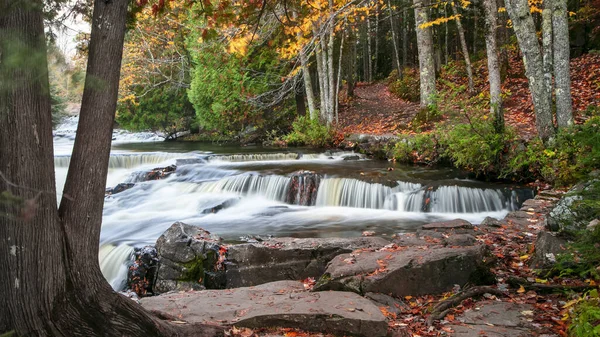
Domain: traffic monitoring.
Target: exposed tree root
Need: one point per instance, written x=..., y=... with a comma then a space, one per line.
x=441, y=309
x=542, y=288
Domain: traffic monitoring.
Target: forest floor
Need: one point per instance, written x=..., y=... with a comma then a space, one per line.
x=375, y=110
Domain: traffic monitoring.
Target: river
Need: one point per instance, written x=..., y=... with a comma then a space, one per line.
x=237, y=192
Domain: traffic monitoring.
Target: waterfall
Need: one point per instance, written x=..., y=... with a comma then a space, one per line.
x=271, y=187
x=351, y=193
x=254, y=157
x=111, y=263
x=456, y=199
x=126, y=160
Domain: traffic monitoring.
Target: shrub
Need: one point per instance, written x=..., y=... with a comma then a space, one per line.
x=475, y=146
x=422, y=148
x=307, y=131
x=586, y=317
x=407, y=88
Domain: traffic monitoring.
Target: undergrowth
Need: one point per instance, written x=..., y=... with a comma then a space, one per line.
x=311, y=132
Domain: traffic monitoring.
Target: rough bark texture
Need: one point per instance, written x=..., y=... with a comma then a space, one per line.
x=493, y=62
x=524, y=28
x=562, y=76
x=330, y=72
x=339, y=78
x=547, y=46
x=465, y=50
x=51, y=283
x=425, y=48
x=404, y=38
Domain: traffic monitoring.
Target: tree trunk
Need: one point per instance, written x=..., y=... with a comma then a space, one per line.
x=475, y=23
x=310, y=96
x=330, y=69
x=562, y=76
x=300, y=105
x=325, y=96
x=518, y=10
x=404, y=38
x=547, y=46
x=394, y=39
x=425, y=49
x=351, y=71
x=320, y=70
x=339, y=79
x=369, y=52
x=465, y=50
x=376, y=54
x=446, y=35
x=51, y=283
x=493, y=62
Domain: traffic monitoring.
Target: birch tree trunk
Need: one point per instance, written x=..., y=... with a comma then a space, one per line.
x=339, y=79
x=446, y=35
x=493, y=62
x=330, y=73
x=394, y=39
x=325, y=76
x=310, y=95
x=463, y=44
x=547, y=46
x=524, y=28
x=404, y=39
x=320, y=70
x=425, y=49
x=369, y=52
x=376, y=54
x=562, y=75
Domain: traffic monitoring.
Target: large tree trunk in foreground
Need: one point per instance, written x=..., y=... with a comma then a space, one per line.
x=425, y=48
x=524, y=28
x=465, y=49
x=51, y=283
x=562, y=76
x=493, y=62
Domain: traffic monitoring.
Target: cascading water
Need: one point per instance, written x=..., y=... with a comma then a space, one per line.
x=279, y=193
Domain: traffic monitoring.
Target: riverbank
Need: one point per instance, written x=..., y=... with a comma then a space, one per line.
x=495, y=291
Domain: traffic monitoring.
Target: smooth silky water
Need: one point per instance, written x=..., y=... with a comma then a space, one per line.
x=278, y=192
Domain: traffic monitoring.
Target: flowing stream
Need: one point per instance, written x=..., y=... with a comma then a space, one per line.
x=238, y=191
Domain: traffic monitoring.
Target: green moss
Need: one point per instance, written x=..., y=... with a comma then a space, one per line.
x=196, y=269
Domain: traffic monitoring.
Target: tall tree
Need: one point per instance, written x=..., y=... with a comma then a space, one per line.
x=491, y=47
x=425, y=49
x=560, y=28
x=463, y=44
x=51, y=283
x=524, y=28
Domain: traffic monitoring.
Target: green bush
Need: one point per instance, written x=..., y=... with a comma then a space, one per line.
x=407, y=88
x=585, y=320
x=307, y=131
x=475, y=146
x=422, y=148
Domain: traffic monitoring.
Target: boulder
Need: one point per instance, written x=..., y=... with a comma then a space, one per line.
x=214, y=206
x=119, y=188
x=491, y=222
x=279, y=304
x=190, y=258
x=547, y=248
x=288, y=258
x=403, y=271
x=303, y=188
x=142, y=272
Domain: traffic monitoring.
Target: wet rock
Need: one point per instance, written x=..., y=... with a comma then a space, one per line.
x=460, y=240
x=303, y=188
x=142, y=272
x=495, y=319
x=159, y=173
x=448, y=225
x=288, y=258
x=278, y=304
x=404, y=271
x=218, y=205
x=190, y=259
x=119, y=188
x=351, y=157
x=547, y=248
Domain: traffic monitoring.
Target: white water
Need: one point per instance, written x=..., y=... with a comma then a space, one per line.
x=257, y=189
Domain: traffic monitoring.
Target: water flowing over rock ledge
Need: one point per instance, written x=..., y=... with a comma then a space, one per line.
x=435, y=259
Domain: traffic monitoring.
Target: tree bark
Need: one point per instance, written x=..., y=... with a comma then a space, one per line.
x=51, y=283
x=394, y=39
x=547, y=46
x=376, y=54
x=493, y=62
x=320, y=70
x=562, y=75
x=339, y=79
x=518, y=10
x=404, y=38
x=330, y=69
x=425, y=49
x=369, y=52
x=310, y=95
x=465, y=49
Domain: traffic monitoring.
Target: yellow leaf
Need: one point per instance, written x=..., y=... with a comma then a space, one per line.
x=539, y=280
x=524, y=257
x=521, y=290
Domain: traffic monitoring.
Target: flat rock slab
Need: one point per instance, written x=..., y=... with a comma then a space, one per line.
x=276, y=304
x=404, y=271
x=495, y=319
x=288, y=258
x=448, y=225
